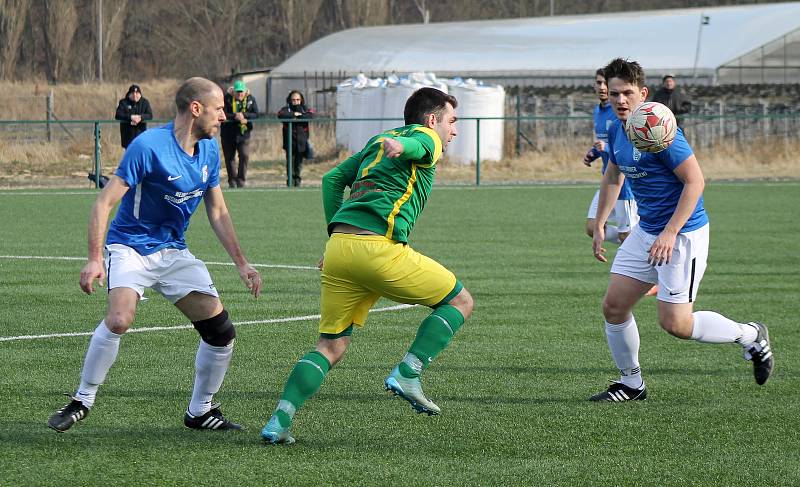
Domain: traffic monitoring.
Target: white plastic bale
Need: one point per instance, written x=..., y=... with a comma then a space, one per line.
x=368, y=104
x=364, y=98
x=477, y=101
x=344, y=110
x=395, y=102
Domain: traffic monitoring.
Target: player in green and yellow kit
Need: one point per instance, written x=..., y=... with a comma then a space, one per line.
x=367, y=256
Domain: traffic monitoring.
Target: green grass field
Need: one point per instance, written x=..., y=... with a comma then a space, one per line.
x=512, y=386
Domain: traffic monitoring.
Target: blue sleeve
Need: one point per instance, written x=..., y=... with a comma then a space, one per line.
x=677, y=152
x=135, y=164
x=612, y=135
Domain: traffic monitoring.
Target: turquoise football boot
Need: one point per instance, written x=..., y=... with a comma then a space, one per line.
x=411, y=391
x=274, y=434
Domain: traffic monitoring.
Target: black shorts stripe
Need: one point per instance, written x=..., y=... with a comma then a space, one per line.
x=108, y=271
x=691, y=280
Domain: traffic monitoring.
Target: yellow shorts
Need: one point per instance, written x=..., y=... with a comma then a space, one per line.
x=358, y=269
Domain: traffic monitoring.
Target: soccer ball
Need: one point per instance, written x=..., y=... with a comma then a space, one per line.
x=651, y=127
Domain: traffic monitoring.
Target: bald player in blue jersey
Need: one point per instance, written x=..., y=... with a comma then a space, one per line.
x=668, y=247
x=162, y=178
x=624, y=214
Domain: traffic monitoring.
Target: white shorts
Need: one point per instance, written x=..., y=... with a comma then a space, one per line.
x=677, y=281
x=625, y=214
x=172, y=272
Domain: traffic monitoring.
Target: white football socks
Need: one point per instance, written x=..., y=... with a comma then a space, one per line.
x=623, y=341
x=711, y=327
x=100, y=356
x=210, y=365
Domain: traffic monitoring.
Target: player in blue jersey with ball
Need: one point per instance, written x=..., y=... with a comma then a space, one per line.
x=161, y=180
x=668, y=247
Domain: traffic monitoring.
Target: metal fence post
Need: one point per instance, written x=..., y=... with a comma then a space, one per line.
x=289, y=143
x=97, y=154
x=540, y=135
x=478, y=152
x=49, y=115
x=571, y=108
x=517, y=141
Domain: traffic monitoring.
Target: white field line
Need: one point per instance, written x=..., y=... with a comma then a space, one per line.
x=454, y=187
x=46, y=257
x=186, y=327
x=45, y=193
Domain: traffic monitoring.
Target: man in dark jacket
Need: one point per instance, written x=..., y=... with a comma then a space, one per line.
x=132, y=111
x=671, y=96
x=295, y=109
x=240, y=108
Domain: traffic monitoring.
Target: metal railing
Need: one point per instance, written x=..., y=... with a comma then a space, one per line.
x=557, y=137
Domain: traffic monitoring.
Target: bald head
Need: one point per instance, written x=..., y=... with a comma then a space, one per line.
x=195, y=89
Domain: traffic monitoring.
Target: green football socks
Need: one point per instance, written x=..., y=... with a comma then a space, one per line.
x=303, y=382
x=433, y=336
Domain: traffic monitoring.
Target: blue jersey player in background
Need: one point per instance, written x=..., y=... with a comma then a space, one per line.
x=624, y=214
x=668, y=247
x=161, y=180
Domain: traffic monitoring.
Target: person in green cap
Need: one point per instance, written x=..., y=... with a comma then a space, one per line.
x=240, y=109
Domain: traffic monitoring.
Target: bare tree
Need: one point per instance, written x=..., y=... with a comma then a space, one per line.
x=362, y=13
x=60, y=20
x=114, y=21
x=13, y=15
x=206, y=36
x=422, y=6
x=297, y=20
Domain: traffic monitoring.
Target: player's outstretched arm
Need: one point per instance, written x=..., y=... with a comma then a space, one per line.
x=593, y=153
x=221, y=223
x=393, y=148
x=335, y=181
x=407, y=148
x=98, y=223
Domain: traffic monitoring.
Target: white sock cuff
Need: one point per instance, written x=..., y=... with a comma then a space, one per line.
x=620, y=327
x=103, y=332
x=224, y=349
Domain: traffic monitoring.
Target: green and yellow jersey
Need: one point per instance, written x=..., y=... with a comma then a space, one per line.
x=386, y=195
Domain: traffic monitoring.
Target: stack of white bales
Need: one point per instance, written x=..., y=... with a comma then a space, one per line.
x=361, y=102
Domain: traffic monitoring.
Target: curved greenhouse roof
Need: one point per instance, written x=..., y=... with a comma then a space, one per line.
x=734, y=40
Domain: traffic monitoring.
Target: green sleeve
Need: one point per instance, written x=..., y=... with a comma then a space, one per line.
x=334, y=182
x=413, y=149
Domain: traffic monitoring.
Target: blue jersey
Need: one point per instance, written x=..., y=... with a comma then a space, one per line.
x=166, y=186
x=654, y=184
x=604, y=116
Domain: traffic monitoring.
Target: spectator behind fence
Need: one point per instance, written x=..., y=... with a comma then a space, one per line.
x=670, y=95
x=296, y=109
x=240, y=108
x=132, y=110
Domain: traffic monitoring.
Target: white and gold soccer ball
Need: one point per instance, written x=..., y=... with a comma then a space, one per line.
x=651, y=127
